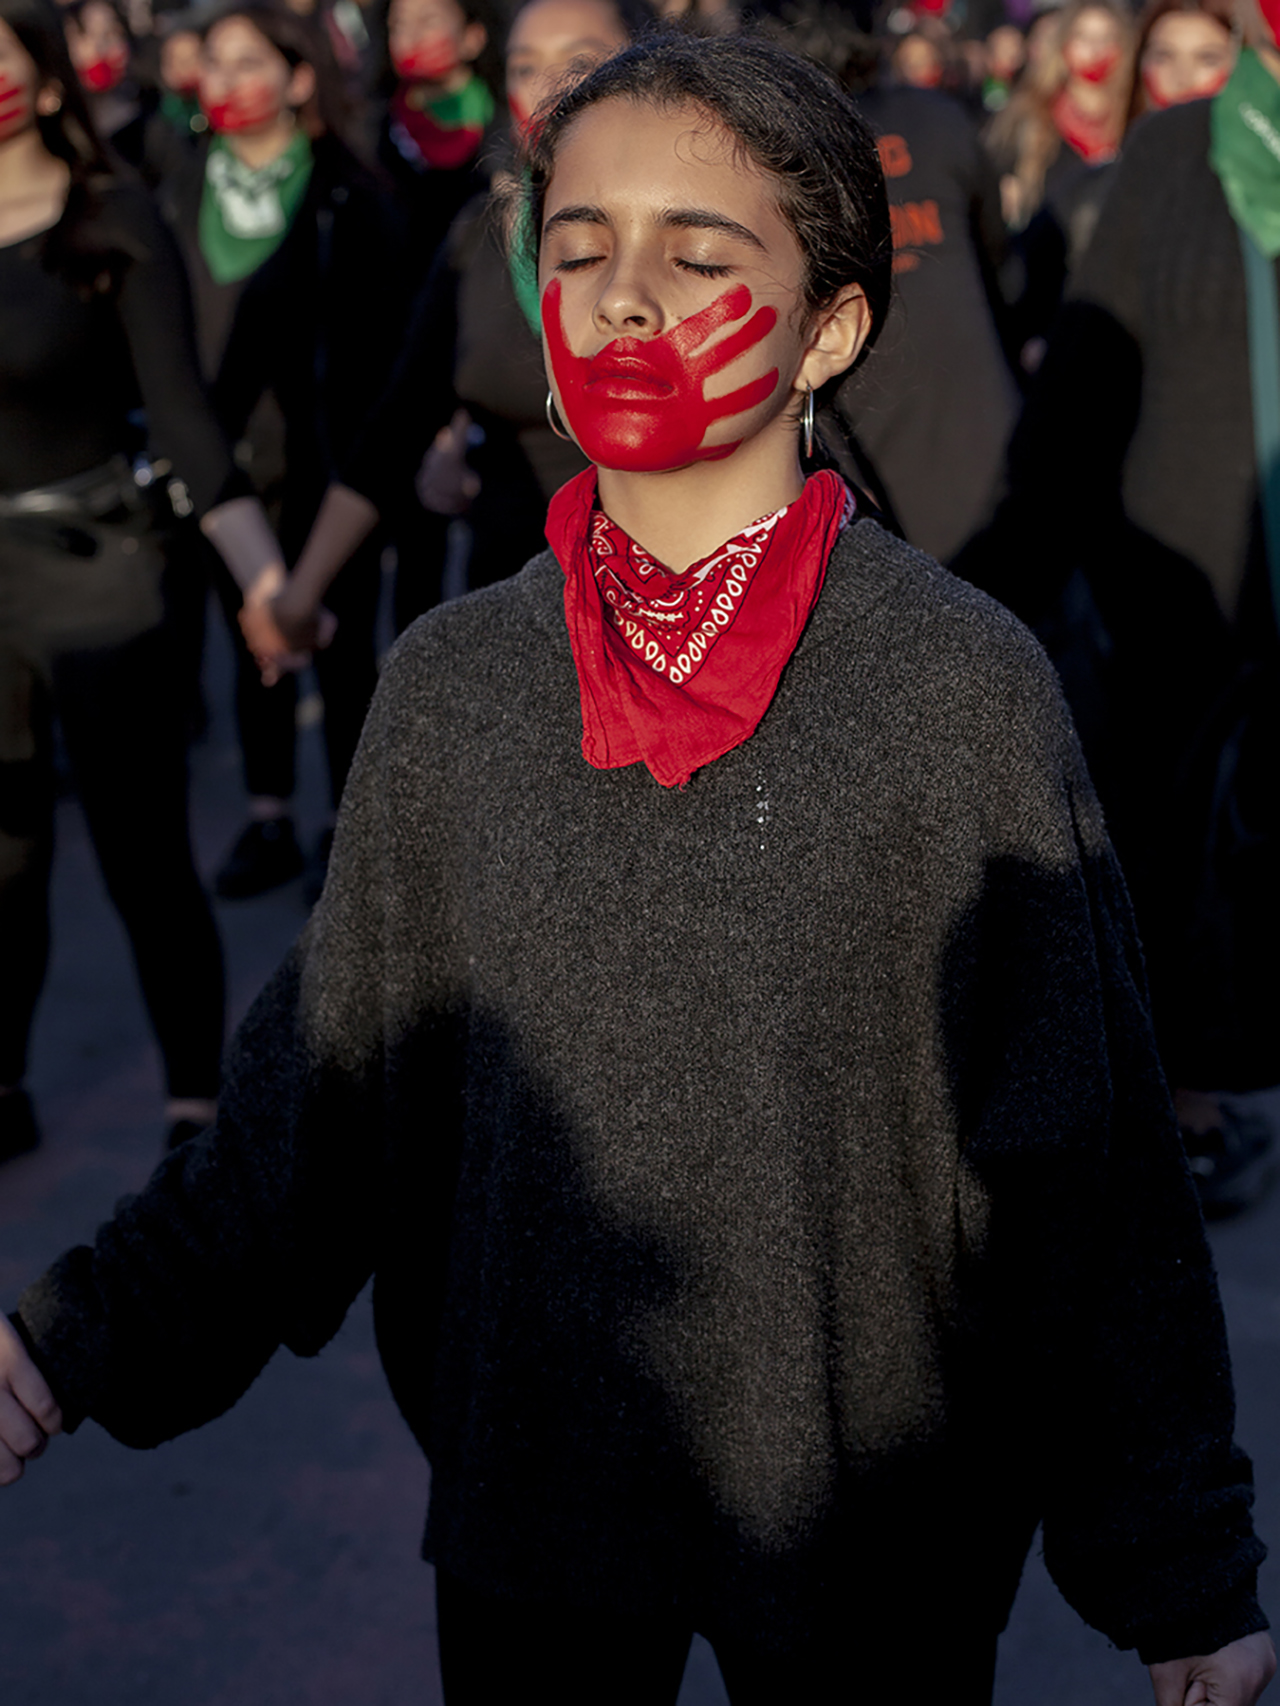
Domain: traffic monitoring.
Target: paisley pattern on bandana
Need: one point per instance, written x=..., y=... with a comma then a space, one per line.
x=674, y=670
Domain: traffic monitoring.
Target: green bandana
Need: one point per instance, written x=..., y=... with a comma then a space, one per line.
x=524, y=274
x=183, y=112
x=246, y=211
x=1245, y=149
x=470, y=107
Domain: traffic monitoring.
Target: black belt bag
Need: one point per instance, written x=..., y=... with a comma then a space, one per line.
x=80, y=562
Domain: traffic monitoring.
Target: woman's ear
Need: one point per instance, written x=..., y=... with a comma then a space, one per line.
x=301, y=86
x=471, y=44
x=838, y=333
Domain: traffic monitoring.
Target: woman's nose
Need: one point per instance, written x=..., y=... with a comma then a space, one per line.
x=628, y=304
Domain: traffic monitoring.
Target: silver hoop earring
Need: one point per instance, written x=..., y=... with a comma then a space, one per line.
x=806, y=424
x=551, y=420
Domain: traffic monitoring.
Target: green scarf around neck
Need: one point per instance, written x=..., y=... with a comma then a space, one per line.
x=1244, y=149
x=246, y=211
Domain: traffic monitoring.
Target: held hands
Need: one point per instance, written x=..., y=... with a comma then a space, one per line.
x=29, y=1414
x=280, y=632
x=1233, y=1676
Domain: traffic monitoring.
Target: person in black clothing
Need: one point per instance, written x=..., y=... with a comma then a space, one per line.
x=1054, y=143
x=294, y=258
x=472, y=360
x=1133, y=541
x=94, y=320
x=101, y=49
x=745, y=1096
x=933, y=412
x=441, y=84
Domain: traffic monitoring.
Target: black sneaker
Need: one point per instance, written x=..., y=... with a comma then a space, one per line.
x=19, y=1133
x=1232, y=1164
x=266, y=854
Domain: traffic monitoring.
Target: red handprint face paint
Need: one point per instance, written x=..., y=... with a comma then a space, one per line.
x=104, y=73
x=1270, y=10
x=245, y=106
x=1089, y=67
x=15, y=107
x=429, y=59
x=640, y=405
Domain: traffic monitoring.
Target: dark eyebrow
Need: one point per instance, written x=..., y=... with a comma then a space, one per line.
x=575, y=216
x=675, y=219
x=703, y=219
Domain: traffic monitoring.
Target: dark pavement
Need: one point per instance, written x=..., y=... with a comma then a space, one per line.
x=271, y=1559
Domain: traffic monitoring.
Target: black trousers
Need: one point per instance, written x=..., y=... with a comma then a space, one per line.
x=70, y=648
x=494, y=1653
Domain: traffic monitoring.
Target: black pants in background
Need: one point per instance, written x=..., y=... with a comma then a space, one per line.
x=122, y=700
x=495, y=1653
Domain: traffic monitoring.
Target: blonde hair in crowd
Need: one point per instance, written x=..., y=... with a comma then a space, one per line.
x=1023, y=138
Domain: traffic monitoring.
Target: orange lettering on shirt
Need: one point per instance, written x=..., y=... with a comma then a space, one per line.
x=914, y=223
x=895, y=156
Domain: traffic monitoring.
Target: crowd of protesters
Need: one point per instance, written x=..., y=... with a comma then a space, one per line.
x=271, y=327
x=330, y=187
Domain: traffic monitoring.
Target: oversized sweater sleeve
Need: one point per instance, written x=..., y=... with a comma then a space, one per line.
x=1093, y=1254
x=262, y=1231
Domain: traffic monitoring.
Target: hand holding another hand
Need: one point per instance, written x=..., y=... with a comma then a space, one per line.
x=29, y=1414
x=282, y=634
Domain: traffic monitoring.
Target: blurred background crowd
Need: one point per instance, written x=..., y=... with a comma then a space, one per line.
x=267, y=260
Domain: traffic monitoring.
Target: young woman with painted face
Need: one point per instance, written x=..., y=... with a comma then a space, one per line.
x=442, y=85
x=95, y=322
x=100, y=46
x=1186, y=51
x=1054, y=143
x=479, y=312
x=1141, y=441
x=294, y=258
x=720, y=1030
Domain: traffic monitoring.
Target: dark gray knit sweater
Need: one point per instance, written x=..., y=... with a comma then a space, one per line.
x=773, y=1197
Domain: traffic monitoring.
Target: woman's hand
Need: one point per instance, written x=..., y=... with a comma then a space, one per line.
x=1233, y=1676
x=305, y=624
x=29, y=1414
x=275, y=650
x=445, y=483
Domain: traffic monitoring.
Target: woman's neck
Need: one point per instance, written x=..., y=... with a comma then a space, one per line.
x=1096, y=101
x=682, y=516
x=259, y=148
x=456, y=79
x=33, y=186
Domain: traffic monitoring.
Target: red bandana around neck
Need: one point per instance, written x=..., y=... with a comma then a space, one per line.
x=676, y=670
x=443, y=146
x=1095, y=140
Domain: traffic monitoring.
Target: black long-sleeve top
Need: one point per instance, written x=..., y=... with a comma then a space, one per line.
x=934, y=405
x=317, y=324
x=95, y=322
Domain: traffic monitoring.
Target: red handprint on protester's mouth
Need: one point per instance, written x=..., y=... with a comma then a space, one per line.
x=430, y=59
x=640, y=404
x=245, y=107
x=15, y=107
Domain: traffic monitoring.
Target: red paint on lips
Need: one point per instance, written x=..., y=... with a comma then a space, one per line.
x=640, y=405
x=246, y=107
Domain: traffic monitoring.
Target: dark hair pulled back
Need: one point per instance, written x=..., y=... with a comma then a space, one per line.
x=299, y=41
x=790, y=118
